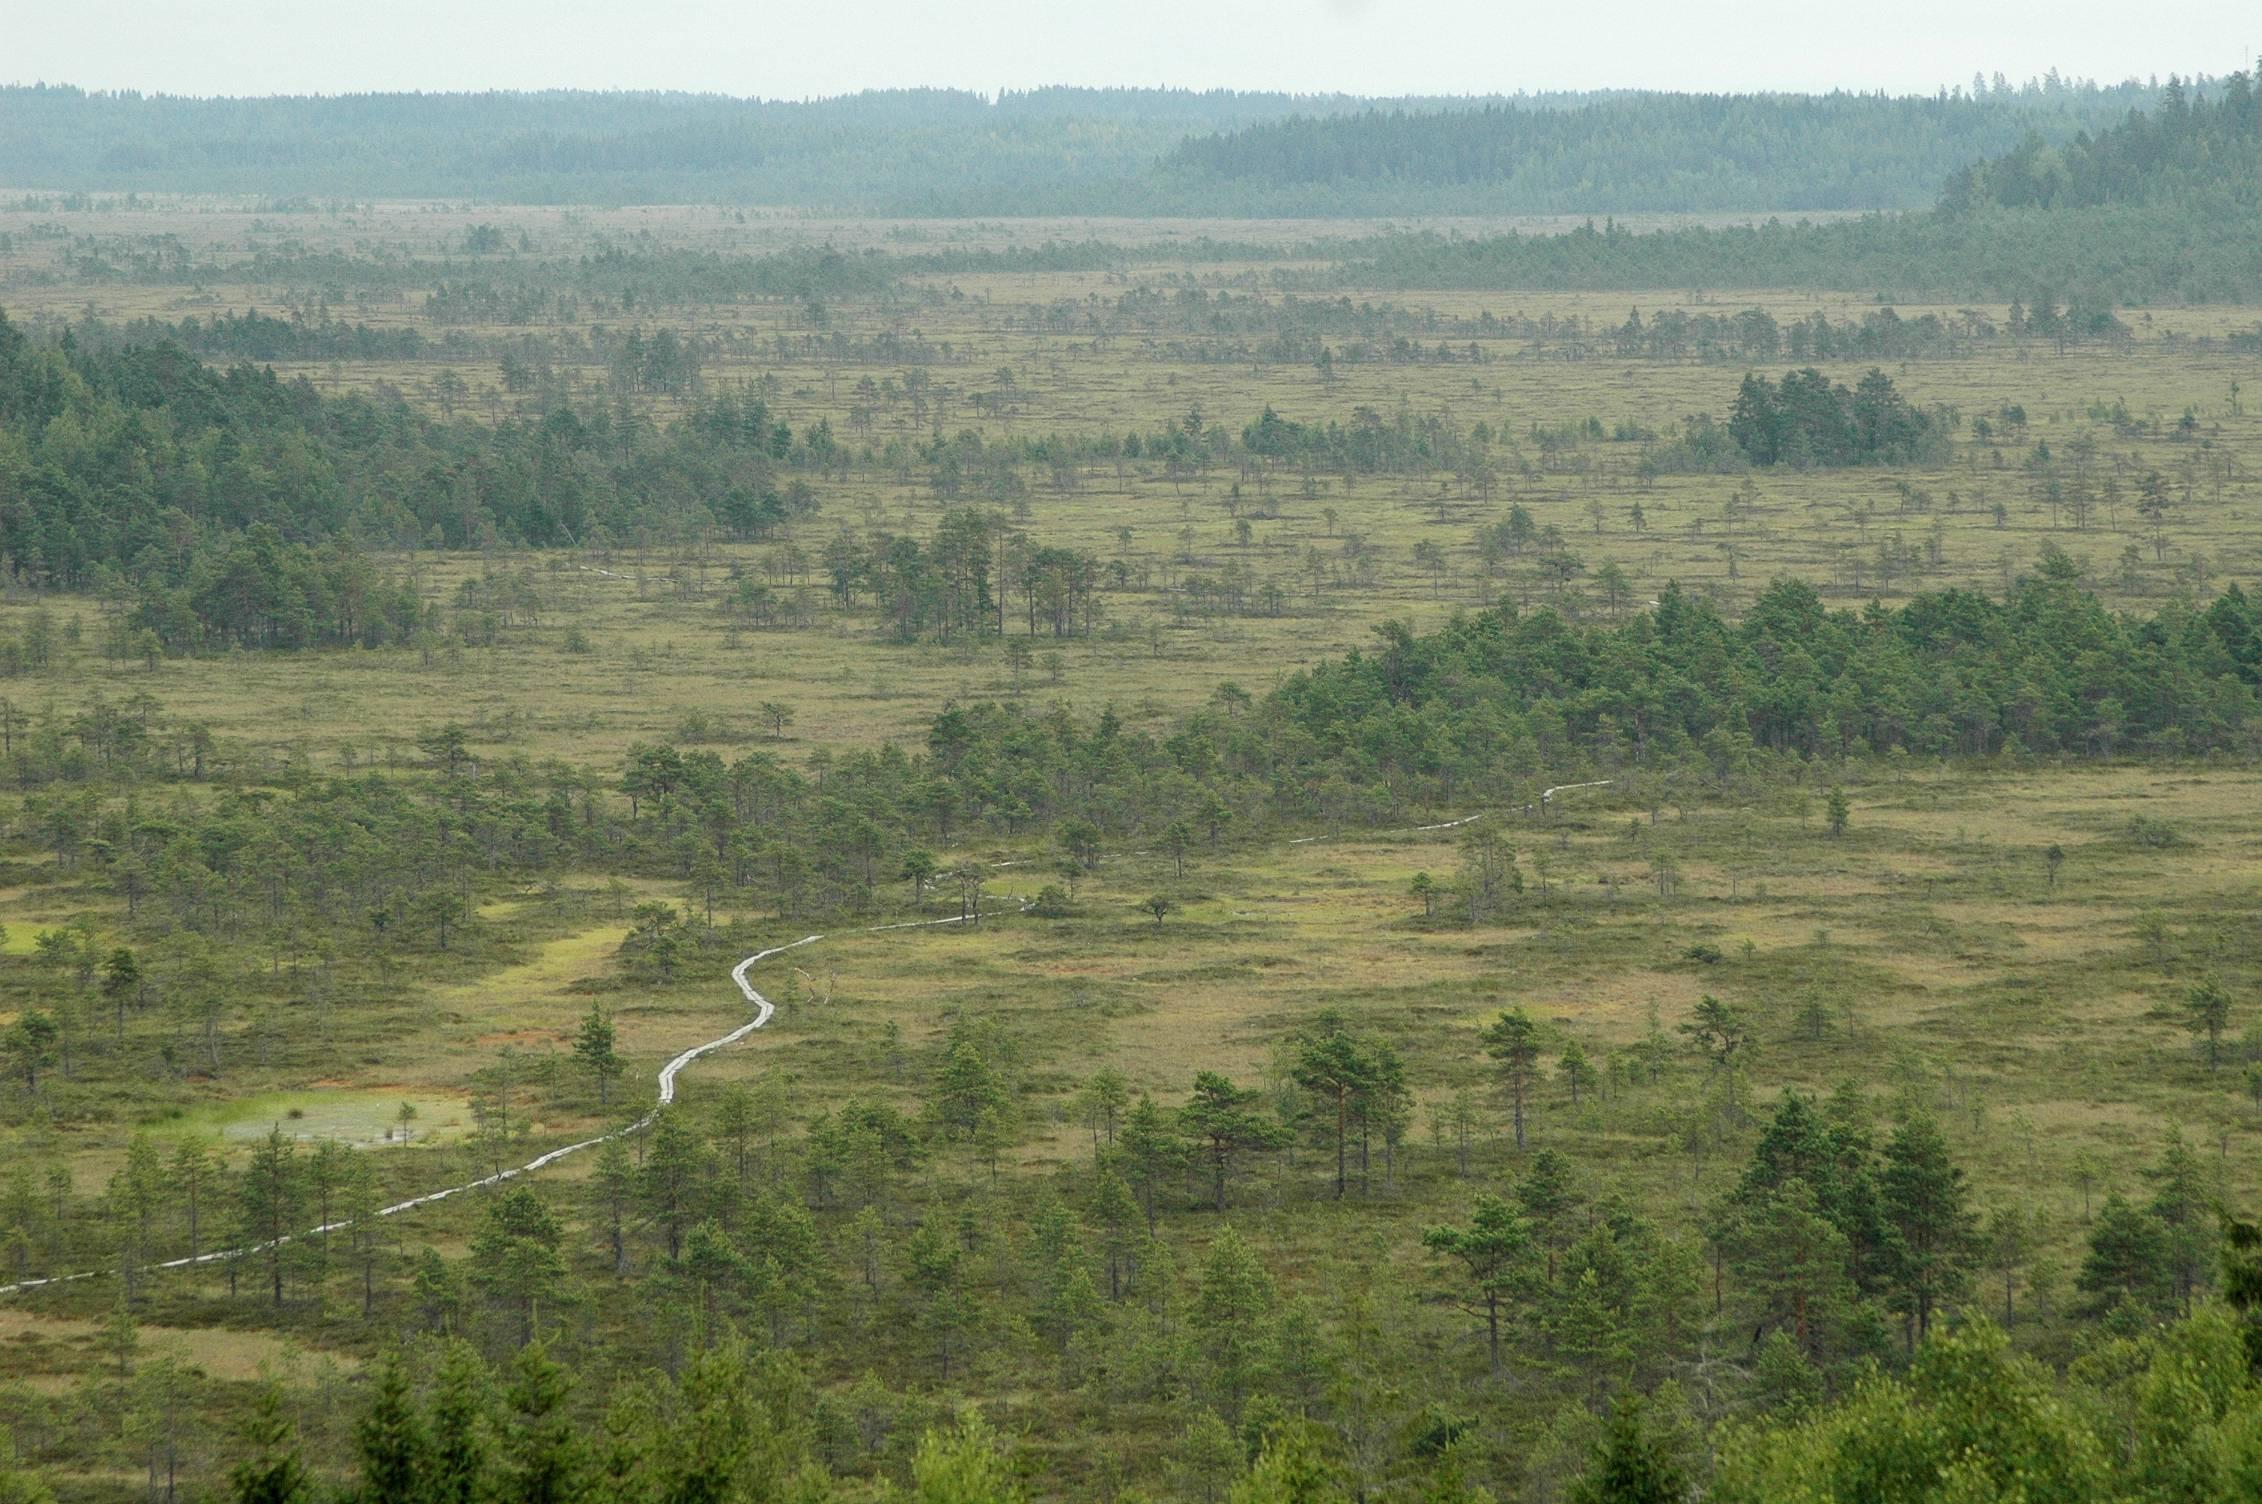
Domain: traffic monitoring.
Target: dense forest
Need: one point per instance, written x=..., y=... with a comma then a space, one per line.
x=2193, y=146
x=1652, y=153
x=2133, y=214
x=1053, y=151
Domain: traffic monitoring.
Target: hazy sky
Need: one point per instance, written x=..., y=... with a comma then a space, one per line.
x=790, y=48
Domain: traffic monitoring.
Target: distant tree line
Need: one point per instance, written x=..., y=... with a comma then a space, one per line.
x=2192, y=145
x=1652, y=152
x=1051, y=150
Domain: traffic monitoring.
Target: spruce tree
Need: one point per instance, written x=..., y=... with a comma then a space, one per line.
x=1631, y=1465
x=271, y=1470
x=544, y=1458
x=391, y=1442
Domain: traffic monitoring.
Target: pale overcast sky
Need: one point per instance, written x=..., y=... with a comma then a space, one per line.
x=796, y=49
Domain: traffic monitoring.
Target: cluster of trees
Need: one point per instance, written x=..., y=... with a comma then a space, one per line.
x=1806, y=422
x=262, y=338
x=1490, y=699
x=1755, y=336
x=1488, y=703
x=142, y=463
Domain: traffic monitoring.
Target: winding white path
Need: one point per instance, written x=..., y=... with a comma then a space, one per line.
x=668, y=1073
x=763, y=1010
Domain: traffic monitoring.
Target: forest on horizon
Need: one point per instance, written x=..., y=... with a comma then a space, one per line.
x=1058, y=150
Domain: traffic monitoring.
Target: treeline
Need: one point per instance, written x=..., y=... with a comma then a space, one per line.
x=2112, y=255
x=615, y=280
x=2192, y=146
x=917, y=151
x=1656, y=152
x=2135, y=214
x=1476, y=711
x=262, y=338
x=1756, y=336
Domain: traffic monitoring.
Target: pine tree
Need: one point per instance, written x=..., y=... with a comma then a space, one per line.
x=2126, y=1257
x=1223, y=1119
x=192, y=1173
x=1115, y=1211
x=1495, y=1252
x=1935, y=1237
x=2185, y=1206
x=1513, y=1040
x=268, y=1203
x=515, y=1256
x=1548, y=1197
x=613, y=1190
x=1576, y=1073
x=2207, y=1013
x=593, y=1047
x=1150, y=1151
x=966, y=1087
x=935, y=1268
x=1333, y=1064
x=669, y=1181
